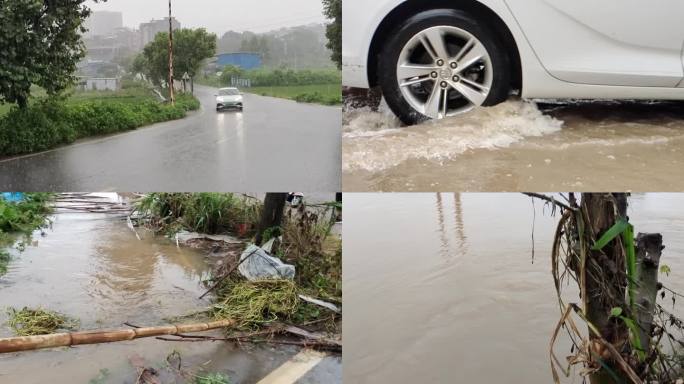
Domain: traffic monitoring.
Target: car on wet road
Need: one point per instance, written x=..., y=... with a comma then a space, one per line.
x=229, y=98
x=439, y=58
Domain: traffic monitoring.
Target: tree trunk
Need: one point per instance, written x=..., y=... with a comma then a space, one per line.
x=271, y=215
x=605, y=271
x=22, y=102
x=649, y=249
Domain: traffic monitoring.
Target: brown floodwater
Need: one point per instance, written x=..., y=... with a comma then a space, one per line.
x=519, y=145
x=92, y=267
x=443, y=288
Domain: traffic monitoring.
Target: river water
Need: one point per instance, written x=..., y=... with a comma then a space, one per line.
x=519, y=145
x=92, y=267
x=443, y=288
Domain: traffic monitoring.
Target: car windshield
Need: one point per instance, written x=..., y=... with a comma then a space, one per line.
x=228, y=92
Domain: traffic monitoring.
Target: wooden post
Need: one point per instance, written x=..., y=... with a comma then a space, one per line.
x=605, y=282
x=649, y=250
x=172, y=97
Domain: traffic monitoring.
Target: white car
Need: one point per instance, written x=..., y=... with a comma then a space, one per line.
x=228, y=98
x=438, y=58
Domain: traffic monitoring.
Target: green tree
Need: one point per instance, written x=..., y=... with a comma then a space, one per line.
x=333, y=10
x=40, y=43
x=191, y=47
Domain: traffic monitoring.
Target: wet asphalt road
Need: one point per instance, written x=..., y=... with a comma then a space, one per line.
x=273, y=145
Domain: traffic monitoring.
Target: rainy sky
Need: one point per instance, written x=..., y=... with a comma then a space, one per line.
x=219, y=16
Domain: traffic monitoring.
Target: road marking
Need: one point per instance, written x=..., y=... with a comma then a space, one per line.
x=294, y=369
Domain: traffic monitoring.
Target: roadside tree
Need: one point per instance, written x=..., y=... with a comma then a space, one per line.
x=191, y=47
x=40, y=43
x=333, y=10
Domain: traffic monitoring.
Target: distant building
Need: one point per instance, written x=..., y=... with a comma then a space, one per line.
x=99, y=84
x=102, y=23
x=149, y=30
x=244, y=60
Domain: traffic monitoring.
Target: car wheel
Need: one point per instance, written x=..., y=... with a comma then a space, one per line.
x=441, y=63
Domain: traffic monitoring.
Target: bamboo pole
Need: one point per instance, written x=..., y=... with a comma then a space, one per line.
x=29, y=343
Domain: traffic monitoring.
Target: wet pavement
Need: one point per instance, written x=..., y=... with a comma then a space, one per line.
x=274, y=144
x=518, y=146
x=92, y=267
x=453, y=292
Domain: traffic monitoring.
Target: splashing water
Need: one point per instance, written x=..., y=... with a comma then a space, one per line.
x=374, y=141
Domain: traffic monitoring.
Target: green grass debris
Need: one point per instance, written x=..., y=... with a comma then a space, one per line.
x=255, y=303
x=30, y=322
x=213, y=378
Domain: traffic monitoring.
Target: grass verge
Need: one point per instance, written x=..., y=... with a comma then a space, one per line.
x=327, y=94
x=50, y=122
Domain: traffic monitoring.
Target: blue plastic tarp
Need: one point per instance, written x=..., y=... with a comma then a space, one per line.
x=12, y=197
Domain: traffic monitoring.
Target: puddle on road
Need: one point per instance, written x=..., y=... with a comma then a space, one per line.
x=453, y=293
x=92, y=267
x=519, y=145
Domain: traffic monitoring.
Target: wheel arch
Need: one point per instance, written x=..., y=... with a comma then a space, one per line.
x=473, y=7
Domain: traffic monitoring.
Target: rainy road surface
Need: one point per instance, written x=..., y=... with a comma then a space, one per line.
x=598, y=146
x=92, y=267
x=274, y=144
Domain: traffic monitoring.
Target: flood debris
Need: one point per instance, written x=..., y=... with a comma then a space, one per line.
x=53, y=340
x=256, y=264
x=29, y=322
x=292, y=280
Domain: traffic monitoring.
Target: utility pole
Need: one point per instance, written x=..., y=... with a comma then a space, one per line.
x=171, y=91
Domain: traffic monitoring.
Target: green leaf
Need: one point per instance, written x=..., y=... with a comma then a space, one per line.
x=665, y=269
x=616, y=312
x=610, y=234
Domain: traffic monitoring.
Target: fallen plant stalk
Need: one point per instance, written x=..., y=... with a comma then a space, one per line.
x=28, y=343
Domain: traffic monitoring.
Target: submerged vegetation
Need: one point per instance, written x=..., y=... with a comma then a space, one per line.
x=30, y=322
x=21, y=217
x=210, y=213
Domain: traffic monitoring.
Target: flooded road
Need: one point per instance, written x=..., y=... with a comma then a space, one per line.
x=443, y=288
x=519, y=146
x=259, y=149
x=92, y=267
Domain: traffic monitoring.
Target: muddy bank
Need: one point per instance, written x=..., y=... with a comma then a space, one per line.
x=519, y=146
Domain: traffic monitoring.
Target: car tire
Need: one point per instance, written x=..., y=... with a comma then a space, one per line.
x=499, y=61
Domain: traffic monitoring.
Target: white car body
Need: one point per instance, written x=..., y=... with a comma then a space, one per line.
x=229, y=101
x=607, y=49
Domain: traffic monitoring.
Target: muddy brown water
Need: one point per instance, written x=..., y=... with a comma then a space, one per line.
x=92, y=267
x=442, y=288
x=519, y=145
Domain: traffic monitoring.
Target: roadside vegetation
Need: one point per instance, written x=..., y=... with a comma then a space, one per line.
x=262, y=307
x=321, y=86
x=49, y=122
x=209, y=213
x=21, y=218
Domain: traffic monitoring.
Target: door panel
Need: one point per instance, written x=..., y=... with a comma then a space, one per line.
x=606, y=42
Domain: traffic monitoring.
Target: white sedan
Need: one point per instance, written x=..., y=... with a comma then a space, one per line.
x=228, y=98
x=439, y=58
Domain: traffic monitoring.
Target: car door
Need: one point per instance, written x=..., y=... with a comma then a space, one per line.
x=606, y=42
